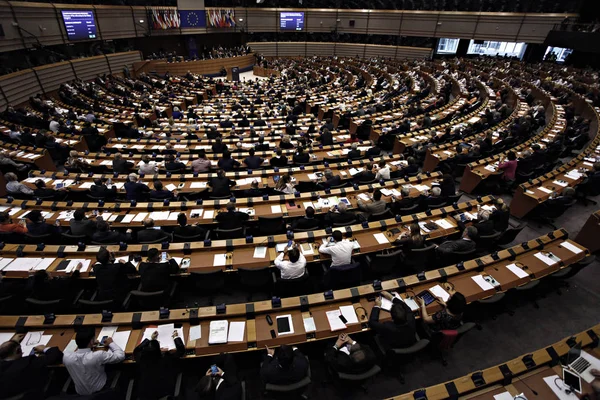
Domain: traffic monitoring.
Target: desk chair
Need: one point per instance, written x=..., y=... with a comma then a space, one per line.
x=529, y=291
x=349, y=381
x=446, y=339
x=343, y=224
x=558, y=279
x=383, y=264
x=67, y=238
x=294, y=387
x=341, y=185
x=40, y=307
x=35, y=239
x=314, y=228
x=106, y=394
x=342, y=276
x=453, y=199
x=487, y=242
x=96, y=306
x=103, y=244
x=146, y=301
x=211, y=197
x=196, y=238
x=509, y=235
x=409, y=210
x=492, y=306
x=95, y=198
x=131, y=395
x=415, y=258
x=235, y=233
x=208, y=282
x=11, y=238
x=545, y=213
x=166, y=238
x=458, y=256
x=392, y=355
x=268, y=226
x=255, y=279
x=291, y=287
x=381, y=216
x=5, y=303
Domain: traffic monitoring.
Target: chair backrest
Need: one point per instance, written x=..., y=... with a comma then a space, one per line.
x=342, y=224
x=419, y=257
x=219, y=197
x=163, y=239
x=35, y=239
x=344, y=276
x=254, y=277
x=385, y=263
x=382, y=215
x=487, y=241
x=73, y=239
x=148, y=300
x=271, y=225
x=43, y=306
x=408, y=210
x=92, y=306
x=229, y=233
x=209, y=280
x=510, y=234
x=10, y=237
x=197, y=238
x=293, y=287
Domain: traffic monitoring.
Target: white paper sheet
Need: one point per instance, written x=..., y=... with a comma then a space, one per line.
x=518, y=271
x=543, y=189
x=33, y=339
x=276, y=209
x=556, y=384
x=236, y=331
x=220, y=260
x=198, y=185
x=171, y=187
x=121, y=339
x=335, y=323
x=128, y=218
x=260, y=252
x=381, y=238
x=5, y=337
x=195, y=332
x=504, y=396
x=571, y=247
x=546, y=259
x=309, y=324
x=209, y=214
x=217, y=333
x=350, y=314
x=483, y=284
x=106, y=331
x=439, y=291
x=4, y=262
x=140, y=217
x=443, y=224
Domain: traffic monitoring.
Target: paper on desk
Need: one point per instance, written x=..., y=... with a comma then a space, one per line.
x=4, y=262
x=422, y=188
x=545, y=190
x=386, y=304
x=364, y=197
x=85, y=265
x=44, y=263
x=307, y=204
x=106, y=331
x=518, y=271
x=306, y=249
x=561, y=183
x=140, y=217
x=198, y=185
x=444, y=224
x=439, y=291
x=128, y=218
x=350, y=314
x=209, y=214
x=173, y=216
x=276, y=209
x=85, y=185
x=260, y=252
x=571, y=247
x=5, y=337
x=547, y=260
x=381, y=239
x=558, y=387
x=335, y=323
x=504, y=396
x=220, y=260
x=236, y=331
x=195, y=332
x=33, y=339
x=483, y=284
x=121, y=338
x=309, y=324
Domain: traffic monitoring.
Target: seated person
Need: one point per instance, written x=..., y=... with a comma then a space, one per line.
x=45, y=192
x=412, y=167
x=383, y=173
x=231, y=219
x=185, y=230
x=340, y=215
x=104, y=235
x=450, y=317
x=201, y=164
x=41, y=286
x=150, y=234
x=161, y=193
x=400, y=331
x=101, y=190
x=367, y=175
x=8, y=226
x=220, y=185
x=80, y=225
x=156, y=274
x=287, y=367
x=112, y=276
x=227, y=163
x=404, y=201
x=173, y=165
x=14, y=187
x=509, y=166
x=37, y=225
x=447, y=186
x=253, y=161
x=286, y=143
x=295, y=265
x=376, y=206
x=254, y=191
x=330, y=180
x=555, y=200
x=307, y=222
x=435, y=198
x=279, y=160
x=285, y=185
x=483, y=223
x=219, y=146
x=157, y=366
x=500, y=216
x=411, y=239
x=354, y=153
x=339, y=249
x=135, y=190
x=223, y=385
x=349, y=357
x=147, y=166
x=261, y=145
x=120, y=165
x=464, y=244
x=301, y=157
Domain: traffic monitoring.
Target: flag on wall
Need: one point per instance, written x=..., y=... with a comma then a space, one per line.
x=164, y=19
x=192, y=18
x=221, y=18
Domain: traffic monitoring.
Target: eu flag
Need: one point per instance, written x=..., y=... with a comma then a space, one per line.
x=192, y=18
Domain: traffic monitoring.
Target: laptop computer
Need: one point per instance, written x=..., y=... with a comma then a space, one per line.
x=582, y=363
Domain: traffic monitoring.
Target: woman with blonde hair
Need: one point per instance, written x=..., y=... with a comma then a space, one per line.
x=75, y=162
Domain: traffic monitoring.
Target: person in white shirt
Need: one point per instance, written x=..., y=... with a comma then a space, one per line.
x=86, y=367
x=383, y=172
x=340, y=250
x=294, y=266
x=146, y=166
x=54, y=125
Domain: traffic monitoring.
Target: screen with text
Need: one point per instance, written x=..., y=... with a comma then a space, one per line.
x=80, y=25
x=291, y=21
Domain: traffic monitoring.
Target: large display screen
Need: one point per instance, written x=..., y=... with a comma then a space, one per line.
x=291, y=21
x=80, y=25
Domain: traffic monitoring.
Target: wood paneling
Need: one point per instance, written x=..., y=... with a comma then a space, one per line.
x=198, y=67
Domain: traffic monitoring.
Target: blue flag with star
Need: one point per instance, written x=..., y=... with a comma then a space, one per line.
x=192, y=18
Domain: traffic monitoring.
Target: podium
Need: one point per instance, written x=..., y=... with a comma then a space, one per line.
x=235, y=74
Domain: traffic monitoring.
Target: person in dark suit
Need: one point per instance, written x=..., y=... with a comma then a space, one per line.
x=253, y=161
x=231, y=219
x=104, y=235
x=307, y=222
x=156, y=275
x=80, y=225
x=111, y=276
x=259, y=122
x=354, y=153
x=219, y=146
x=538, y=158
x=226, y=123
x=149, y=234
x=404, y=201
x=37, y=225
x=261, y=145
x=287, y=367
x=226, y=163
x=465, y=243
x=41, y=286
x=330, y=180
x=254, y=191
x=220, y=185
x=183, y=229
x=327, y=125
x=367, y=175
x=25, y=374
x=279, y=160
x=435, y=198
x=349, y=357
x=172, y=165
x=447, y=186
x=412, y=239
x=101, y=190
x=500, y=216
x=483, y=223
x=161, y=193
x=120, y=165
x=224, y=385
x=555, y=200
x=135, y=190
x=301, y=157
x=340, y=215
x=400, y=331
x=326, y=138
x=157, y=368
x=45, y=192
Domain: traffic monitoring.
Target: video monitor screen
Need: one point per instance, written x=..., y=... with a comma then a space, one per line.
x=291, y=21
x=80, y=24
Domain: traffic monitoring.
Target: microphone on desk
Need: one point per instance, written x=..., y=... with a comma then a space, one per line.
x=532, y=391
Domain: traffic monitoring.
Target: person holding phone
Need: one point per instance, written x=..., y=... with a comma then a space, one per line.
x=291, y=262
x=450, y=317
x=220, y=383
x=157, y=367
x=156, y=274
x=286, y=367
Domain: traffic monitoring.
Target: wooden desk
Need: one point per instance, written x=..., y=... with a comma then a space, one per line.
x=590, y=233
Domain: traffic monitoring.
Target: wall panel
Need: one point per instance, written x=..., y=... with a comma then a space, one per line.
x=91, y=67
x=456, y=25
x=359, y=18
x=260, y=20
x=418, y=23
x=291, y=49
x=320, y=49
x=536, y=27
x=42, y=20
x=53, y=75
x=384, y=23
x=115, y=23
x=500, y=26
x=19, y=86
x=119, y=60
x=320, y=20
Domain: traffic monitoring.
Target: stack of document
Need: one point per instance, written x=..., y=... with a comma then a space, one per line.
x=28, y=264
x=33, y=339
x=165, y=335
x=442, y=223
x=217, y=333
x=336, y=323
x=439, y=291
